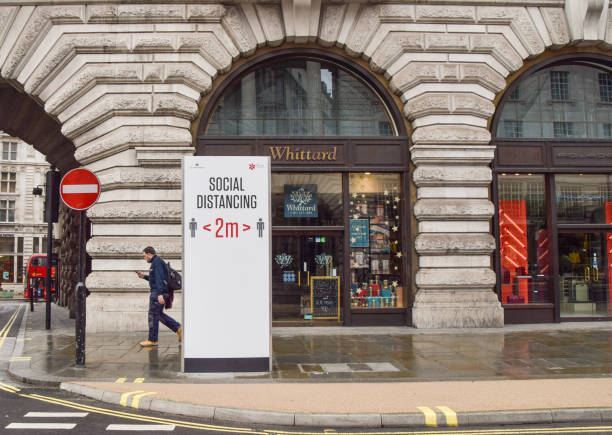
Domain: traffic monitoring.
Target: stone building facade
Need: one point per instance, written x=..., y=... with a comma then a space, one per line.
x=120, y=88
x=22, y=230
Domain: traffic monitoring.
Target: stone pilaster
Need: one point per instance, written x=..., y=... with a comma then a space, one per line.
x=455, y=278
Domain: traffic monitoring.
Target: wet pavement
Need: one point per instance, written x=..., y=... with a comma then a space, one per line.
x=339, y=354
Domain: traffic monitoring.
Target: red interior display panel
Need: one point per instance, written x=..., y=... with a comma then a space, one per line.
x=609, y=249
x=513, y=250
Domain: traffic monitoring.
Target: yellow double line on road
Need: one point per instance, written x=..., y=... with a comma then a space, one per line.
x=7, y=327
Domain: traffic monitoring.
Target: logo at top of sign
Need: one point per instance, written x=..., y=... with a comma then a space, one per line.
x=252, y=166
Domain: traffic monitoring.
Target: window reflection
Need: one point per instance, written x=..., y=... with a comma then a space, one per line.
x=300, y=98
x=568, y=101
x=583, y=199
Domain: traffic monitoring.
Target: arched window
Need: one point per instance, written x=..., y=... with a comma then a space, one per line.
x=553, y=191
x=564, y=101
x=300, y=97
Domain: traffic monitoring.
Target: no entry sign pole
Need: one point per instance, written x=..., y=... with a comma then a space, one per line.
x=79, y=190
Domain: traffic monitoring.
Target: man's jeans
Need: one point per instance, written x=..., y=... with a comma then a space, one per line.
x=156, y=315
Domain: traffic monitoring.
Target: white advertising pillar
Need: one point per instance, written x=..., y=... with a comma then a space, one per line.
x=226, y=264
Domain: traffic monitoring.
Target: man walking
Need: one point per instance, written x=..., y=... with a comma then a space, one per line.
x=157, y=298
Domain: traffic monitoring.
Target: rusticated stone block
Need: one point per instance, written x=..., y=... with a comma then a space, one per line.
x=413, y=74
x=131, y=247
x=452, y=175
x=396, y=13
x=427, y=104
x=434, y=103
x=454, y=42
x=446, y=13
x=123, y=177
x=472, y=104
x=455, y=278
x=482, y=74
x=141, y=212
x=453, y=244
x=499, y=47
x=455, y=134
x=519, y=21
x=211, y=49
x=176, y=105
x=66, y=47
x=426, y=154
x=271, y=20
x=457, y=309
x=39, y=24
x=425, y=209
x=156, y=42
x=103, y=108
x=460, y=261
x=189, y=74
x=236, y=25
x=7, y=14
x=87, y=77
x=331, y=23
x=393, y=46
x=365, y=27
x=128, y=136
x=205, y=13
x=136, y=13
x=556, y=23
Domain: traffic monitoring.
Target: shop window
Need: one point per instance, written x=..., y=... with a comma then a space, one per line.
x=300, y=97
x=605, y=87
x=559, y=104
x=307, y=199
x=20, y=244
x=607, y=130
x=9, y=150
x=6, y=268
x=8, y=182
x=7, y=211
x=35, y=245
x=375, y=227
x=583, y=199
x=7, y=245
x=524, y=240
x=559, y=85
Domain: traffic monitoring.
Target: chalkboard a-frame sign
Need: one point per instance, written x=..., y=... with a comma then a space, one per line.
x=325, y=297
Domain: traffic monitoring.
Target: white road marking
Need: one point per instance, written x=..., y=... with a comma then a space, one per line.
x=41, y=426
x=57, y=414
x=142, y=427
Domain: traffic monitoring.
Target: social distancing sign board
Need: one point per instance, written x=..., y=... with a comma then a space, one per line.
x=226, y=264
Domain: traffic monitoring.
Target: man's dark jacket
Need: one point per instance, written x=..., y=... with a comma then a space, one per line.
x=157, y=276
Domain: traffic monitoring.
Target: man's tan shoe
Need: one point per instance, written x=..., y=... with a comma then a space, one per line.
x=179, y=332
x=148, y=343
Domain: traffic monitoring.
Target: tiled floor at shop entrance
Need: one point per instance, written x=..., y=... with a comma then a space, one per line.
x=344, y=354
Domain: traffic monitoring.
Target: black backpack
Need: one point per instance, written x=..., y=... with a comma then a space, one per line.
x=173, y=281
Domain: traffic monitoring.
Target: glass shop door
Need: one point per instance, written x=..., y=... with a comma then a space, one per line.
x=296, y=259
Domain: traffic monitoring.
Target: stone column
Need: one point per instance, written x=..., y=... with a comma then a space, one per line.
x=455, y=278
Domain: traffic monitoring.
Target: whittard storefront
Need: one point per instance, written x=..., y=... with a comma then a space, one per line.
x=340, y=178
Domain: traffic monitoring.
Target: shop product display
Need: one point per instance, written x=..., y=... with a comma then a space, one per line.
x=375, y=255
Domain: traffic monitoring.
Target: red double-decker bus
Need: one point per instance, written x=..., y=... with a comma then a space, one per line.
x=35, y=277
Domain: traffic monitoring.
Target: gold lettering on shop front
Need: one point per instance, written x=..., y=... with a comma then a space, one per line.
x=288, y=153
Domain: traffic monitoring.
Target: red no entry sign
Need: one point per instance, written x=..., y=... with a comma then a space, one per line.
x=80, y=189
